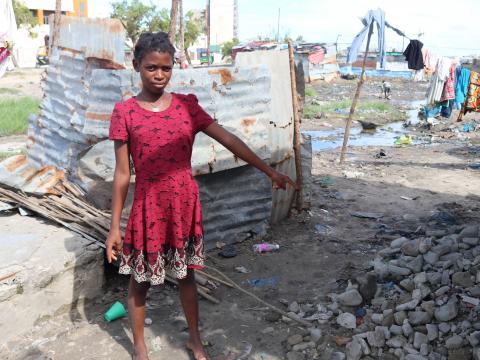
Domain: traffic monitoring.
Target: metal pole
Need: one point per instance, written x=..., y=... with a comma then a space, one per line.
x=355, y=99
x=296, y=127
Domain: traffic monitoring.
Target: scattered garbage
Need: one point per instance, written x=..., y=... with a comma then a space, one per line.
x=265, y=247
x=272, y=281
x=322, y=229
x=148, y=321
x=242, y=270
x=468, y=127
x=228, y=251
x=325, y=181
x=366, y=215
x=404, y=140
x=117, y=311
x=380, y=154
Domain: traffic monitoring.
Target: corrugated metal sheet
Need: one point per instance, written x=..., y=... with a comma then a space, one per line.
x=281, y=124
x=96, y=38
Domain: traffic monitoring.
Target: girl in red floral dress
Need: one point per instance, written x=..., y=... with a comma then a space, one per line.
x=164, y=232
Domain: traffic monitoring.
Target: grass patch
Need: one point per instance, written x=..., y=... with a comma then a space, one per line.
x=341, y=108
x=14, y=114
x=310, y=91
x=9, y=91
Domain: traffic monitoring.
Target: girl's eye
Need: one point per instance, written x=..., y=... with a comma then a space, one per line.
x=166, y=69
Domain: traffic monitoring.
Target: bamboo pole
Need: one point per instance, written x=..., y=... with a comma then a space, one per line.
x=296, y=127
x=355, y=99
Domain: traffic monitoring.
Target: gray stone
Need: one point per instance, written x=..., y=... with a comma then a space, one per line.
x=400, y=316
x=454, y=342
x=460, y=354
x=453, y=257
x=294, y=339
x=407, y=329
x=474, y=338
x=434, y=278
x=347, y=320
x=420, y=278
x=475, y=291
x=388, y=318
x=354, y=350
x=376, y=338
x=419, y=339
x=377, y=318
x=445, y=278
x=411, y=248
x=472, y=241
x=367, y=286
x=424, y=349
x=315, y=334
x=294, y=307
x=463, y=279
x=409, y=305
x=398, y=270
x=415, y=357
x=304, y=346
x=416, y=264
x=444, y=327
x=431, y=257
x=424, y=245
x=350, y=298
x=396, y=330
x=442, y=249
x=396, y=342
x=447, y=312
x=476, y=353
x=419, y=318
x=441, y=291
x=295, y=355
x=338, y=356
x=432, y=331
x=407, y=284
x=469, y=232
x=428, y=306
x=397, y=243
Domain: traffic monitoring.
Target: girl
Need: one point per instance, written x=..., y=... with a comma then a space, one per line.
x=164, y=231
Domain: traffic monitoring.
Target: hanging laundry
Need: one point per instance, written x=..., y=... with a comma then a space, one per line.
x=461, y=87
x=446, y=109
x=473, y=96
x=437, y=83
x=429, y=61
x=449, y=87
x=377, y=16
x=413, y=54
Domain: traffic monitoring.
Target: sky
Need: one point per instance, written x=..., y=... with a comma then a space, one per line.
x=445, y=27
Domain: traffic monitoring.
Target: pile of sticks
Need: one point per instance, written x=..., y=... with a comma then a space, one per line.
x=66, y=205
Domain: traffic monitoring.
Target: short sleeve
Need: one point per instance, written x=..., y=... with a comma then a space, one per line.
x=200, y=118
x=118, y=127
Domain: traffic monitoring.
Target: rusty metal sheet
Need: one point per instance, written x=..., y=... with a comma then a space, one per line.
x=96, y=38
x=16, y=172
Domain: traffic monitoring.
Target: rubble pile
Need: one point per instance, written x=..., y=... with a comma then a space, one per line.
x=421, y=301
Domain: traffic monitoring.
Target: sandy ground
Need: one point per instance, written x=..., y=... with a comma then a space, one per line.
x=311, y=262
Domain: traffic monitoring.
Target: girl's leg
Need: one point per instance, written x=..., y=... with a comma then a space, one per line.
x=137, y=293
x=189, y=299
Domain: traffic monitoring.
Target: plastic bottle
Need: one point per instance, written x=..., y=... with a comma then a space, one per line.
x=265, y=247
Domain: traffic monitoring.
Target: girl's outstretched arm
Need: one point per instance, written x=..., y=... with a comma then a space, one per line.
x=240, y=149
x=121, y=180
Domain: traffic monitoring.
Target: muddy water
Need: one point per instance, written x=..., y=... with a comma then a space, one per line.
x=382, y=136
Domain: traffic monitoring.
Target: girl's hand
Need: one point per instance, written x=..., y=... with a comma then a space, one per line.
x=114, y=245
x=280, y=181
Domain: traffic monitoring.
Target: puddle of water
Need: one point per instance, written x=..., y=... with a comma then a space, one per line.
x=383, y=136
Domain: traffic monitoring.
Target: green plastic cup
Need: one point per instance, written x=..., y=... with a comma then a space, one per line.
x=117, y=311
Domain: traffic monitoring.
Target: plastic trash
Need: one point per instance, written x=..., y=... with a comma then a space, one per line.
x=273, y=281
x=404, y=140
x=265, y=247
x=117, y=311
x=468, y=127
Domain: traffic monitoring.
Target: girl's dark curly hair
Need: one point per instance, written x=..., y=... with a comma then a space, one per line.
x=149, y=41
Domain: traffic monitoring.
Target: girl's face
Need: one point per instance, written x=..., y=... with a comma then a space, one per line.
x=155, y=70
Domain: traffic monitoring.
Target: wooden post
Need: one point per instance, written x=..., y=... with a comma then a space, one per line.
x=56, y=26
x=207, y=18
x=182, y=32
x=296, y=127
x=173, y=21
x=355, y=99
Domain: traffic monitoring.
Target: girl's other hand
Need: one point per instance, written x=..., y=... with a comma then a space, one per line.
x=280, y=181
x=114, y=245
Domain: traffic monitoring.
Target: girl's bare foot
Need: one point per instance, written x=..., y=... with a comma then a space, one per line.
x=140, y=352
x=197, y=349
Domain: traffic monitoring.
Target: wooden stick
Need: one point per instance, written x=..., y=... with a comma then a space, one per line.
x=297, y=146
x=355, y=99
x=214, y=278
x=274, y=308
x=8, y=276
x=200, y=291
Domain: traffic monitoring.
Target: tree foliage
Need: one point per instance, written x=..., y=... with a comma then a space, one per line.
x=23, y=15
x=227, y=47
x=138, y=17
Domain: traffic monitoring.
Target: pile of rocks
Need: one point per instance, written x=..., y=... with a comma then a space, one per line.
x=420, y=302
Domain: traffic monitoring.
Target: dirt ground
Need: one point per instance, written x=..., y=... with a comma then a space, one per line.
x=320, y=249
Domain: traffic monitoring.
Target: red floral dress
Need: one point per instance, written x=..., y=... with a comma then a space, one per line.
x=164, y=231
